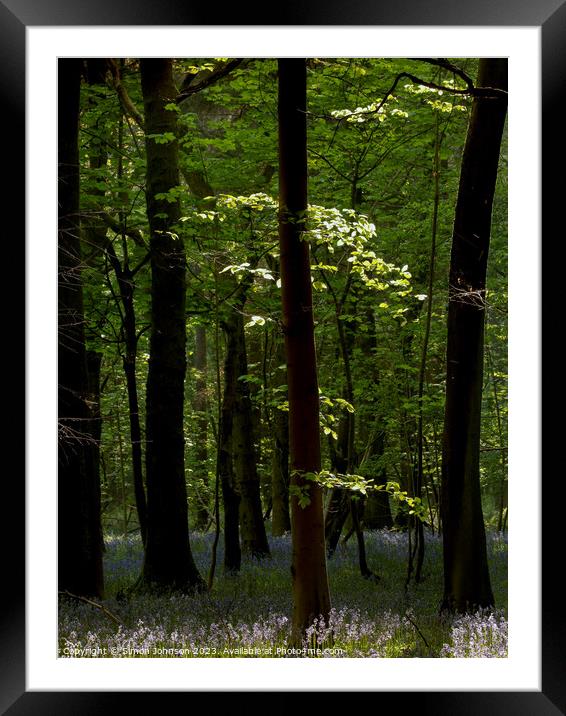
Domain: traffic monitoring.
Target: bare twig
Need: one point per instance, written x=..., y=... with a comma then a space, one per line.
x=419, y=632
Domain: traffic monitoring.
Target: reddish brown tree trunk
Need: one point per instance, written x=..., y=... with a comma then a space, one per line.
x=311, y=596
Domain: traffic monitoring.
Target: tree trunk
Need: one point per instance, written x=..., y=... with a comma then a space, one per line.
x=129, y=360
x=168, y=560
x=339, y=504
x=200, y=406
x=278, y=424
x=280, y=518
x=79, y=544
x=252, y=527
x=466, y=575
x=377, y=511
x=93, y=363
x=311, y=596
x=230, y=494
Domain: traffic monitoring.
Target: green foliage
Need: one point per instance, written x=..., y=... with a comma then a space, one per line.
x=355, y=484
x=371, y=189
x=163, y=138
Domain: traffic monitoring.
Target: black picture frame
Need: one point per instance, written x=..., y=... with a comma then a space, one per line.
x=15, y=16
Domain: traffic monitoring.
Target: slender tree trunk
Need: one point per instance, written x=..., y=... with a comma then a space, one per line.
x=342, y=454
x=280, y=518
x=252, y=526
x=311, y=596
x=129, y=363
x=93, y=363
x=502, y=451
x=218, y=387
x=278, y=423
x=168, y=560
x=126, y=285
x=254, y=360
x=419, y=476
x=466, y=575
x=377, y=511
x=200, y=406
x=79, y=544
x=338, y=506
x=227, y=477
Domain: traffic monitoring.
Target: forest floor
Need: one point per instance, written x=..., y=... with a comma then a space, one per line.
x=249, y=615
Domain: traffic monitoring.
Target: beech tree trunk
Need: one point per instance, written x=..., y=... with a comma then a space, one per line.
x=79, y=530
x=168, y=560
x=311, y=596
x=466, y=576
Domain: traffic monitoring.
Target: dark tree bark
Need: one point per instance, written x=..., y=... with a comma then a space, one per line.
x=255, y=359
x=93, y=364
x=344, y=457
x=129, y=359
x=377, y=510
x=252, y=527
x=341, y=453
x=278, y=426
x=280, y=518
x=338, y=507
x=466, y=575
x=79, y=530
x=230, y=494
x=311, y=596
x=200, y=407
x=168, y=560
x=244, y=478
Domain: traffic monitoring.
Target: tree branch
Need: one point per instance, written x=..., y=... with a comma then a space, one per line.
x=471, y=89
x=191, y=84
x=118, y=228
x=445, y=64
x=126, y=103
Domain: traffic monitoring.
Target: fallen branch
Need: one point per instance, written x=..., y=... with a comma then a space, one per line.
x=93, y=604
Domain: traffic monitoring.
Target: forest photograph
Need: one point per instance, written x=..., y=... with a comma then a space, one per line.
x=282, y=357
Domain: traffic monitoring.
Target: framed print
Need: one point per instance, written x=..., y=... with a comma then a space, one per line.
x=33, y=680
